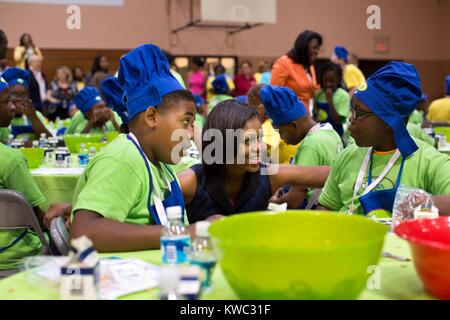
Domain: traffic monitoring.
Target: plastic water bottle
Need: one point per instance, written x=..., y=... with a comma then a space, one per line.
x=168, y=283
x=35, y=144
x=43, y=143
x=202, y=253
x=92, y=152
x=175, y=240
x=83, y=156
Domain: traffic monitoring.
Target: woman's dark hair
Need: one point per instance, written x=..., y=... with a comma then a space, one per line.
x=22, y=41
x=74, y=69
x=331, y=67
x=96, y=65
x=246, y=62
x=299, y=53
x=228, y=114
x=3, y=45
x=199, y=61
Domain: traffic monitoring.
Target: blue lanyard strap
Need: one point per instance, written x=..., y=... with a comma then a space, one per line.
x=155, y=216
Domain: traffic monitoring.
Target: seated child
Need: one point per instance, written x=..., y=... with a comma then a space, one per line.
x=233, y=182
x=93, y=115
x=114, y=97
x=439, y=111
x=28, y=123
x=282, y=152
x=15, y=175
x=121, y=197
x=331, y=102
x=319, y=143
x=221, y=91
x=365, y=177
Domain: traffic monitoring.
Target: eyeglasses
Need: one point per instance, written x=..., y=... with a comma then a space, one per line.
x=20, y=96
x=358, y=114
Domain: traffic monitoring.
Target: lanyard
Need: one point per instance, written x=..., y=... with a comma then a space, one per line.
x=362, y=172
x=323, y=126
x=160, y=210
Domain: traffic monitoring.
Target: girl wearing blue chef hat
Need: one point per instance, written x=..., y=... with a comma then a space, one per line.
x=353, y=77
x=365, y=177
x=93, y=115
x=15, y=175
x=121, y=199
x=220, y=91
x=28, y=123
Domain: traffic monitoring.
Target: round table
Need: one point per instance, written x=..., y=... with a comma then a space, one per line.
x=57, y=184
x=399, y=280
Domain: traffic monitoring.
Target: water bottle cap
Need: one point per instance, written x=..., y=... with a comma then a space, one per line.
x=201, y=228
x=174, y=212
x=168, y=277
x=92, y=149
x=43, y=135
x=35, y=143
x=82, y=145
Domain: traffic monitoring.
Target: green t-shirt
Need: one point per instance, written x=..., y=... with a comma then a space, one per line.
x=426, y=169
x=416, y=132
x=115, y=184
x=185, y=163
x=416, y=117
x=19, y=121
x=216, y=99
x=341, y=101
x=4, y=135
x=319, y=148
x=79, y=122
x=15, y=175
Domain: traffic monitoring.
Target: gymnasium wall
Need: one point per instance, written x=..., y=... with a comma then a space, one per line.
x=418, y=31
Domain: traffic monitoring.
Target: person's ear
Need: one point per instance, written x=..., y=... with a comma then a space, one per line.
x=150, y=117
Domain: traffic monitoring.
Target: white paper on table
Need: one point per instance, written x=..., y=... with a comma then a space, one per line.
x=57, y=171
x=124, y=276
x=118, y=277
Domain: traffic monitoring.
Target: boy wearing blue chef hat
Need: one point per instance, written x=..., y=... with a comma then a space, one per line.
x=93, y=116
x=220, y=91
x=28, y=123
x=365, y=177
x=15, y=175
x=353, y=77
x=121, y=199
x=114, y=96
x=319, y=143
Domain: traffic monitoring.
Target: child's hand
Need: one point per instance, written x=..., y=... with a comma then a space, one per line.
x=57, y=210
x=25, y=107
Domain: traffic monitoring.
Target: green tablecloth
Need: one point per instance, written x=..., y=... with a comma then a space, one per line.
x=57, y=188
x=399, y=280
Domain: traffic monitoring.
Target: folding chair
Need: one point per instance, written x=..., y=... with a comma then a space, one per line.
x=60, y=235
x=16, y=213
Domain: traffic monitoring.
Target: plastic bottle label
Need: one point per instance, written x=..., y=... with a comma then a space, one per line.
x=175, y=250
x=207, y=268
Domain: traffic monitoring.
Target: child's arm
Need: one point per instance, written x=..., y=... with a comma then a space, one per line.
x=443, y=204
x=28, y=109
x=293, y=198
x=335, y=116
x=188, y=184
x=313, y=177
x=112, y=236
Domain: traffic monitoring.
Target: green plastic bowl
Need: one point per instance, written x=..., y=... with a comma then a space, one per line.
x=297, y=254
x=34, y=156
x=110, y=136
x=444, y=130
x=73, y=141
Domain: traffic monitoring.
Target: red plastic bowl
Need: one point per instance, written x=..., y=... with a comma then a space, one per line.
x=430, y=244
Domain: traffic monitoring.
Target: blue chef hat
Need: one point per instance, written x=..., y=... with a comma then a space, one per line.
x=220, y=84
x=3, y=84
x=87, y=98
x=199, y=101
x=113, y=94
x=281, y=105
x=447, y=85
x=17, y=76
x=145, y=76
x=341, y=53
x=393, y=93
x=241, y=99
